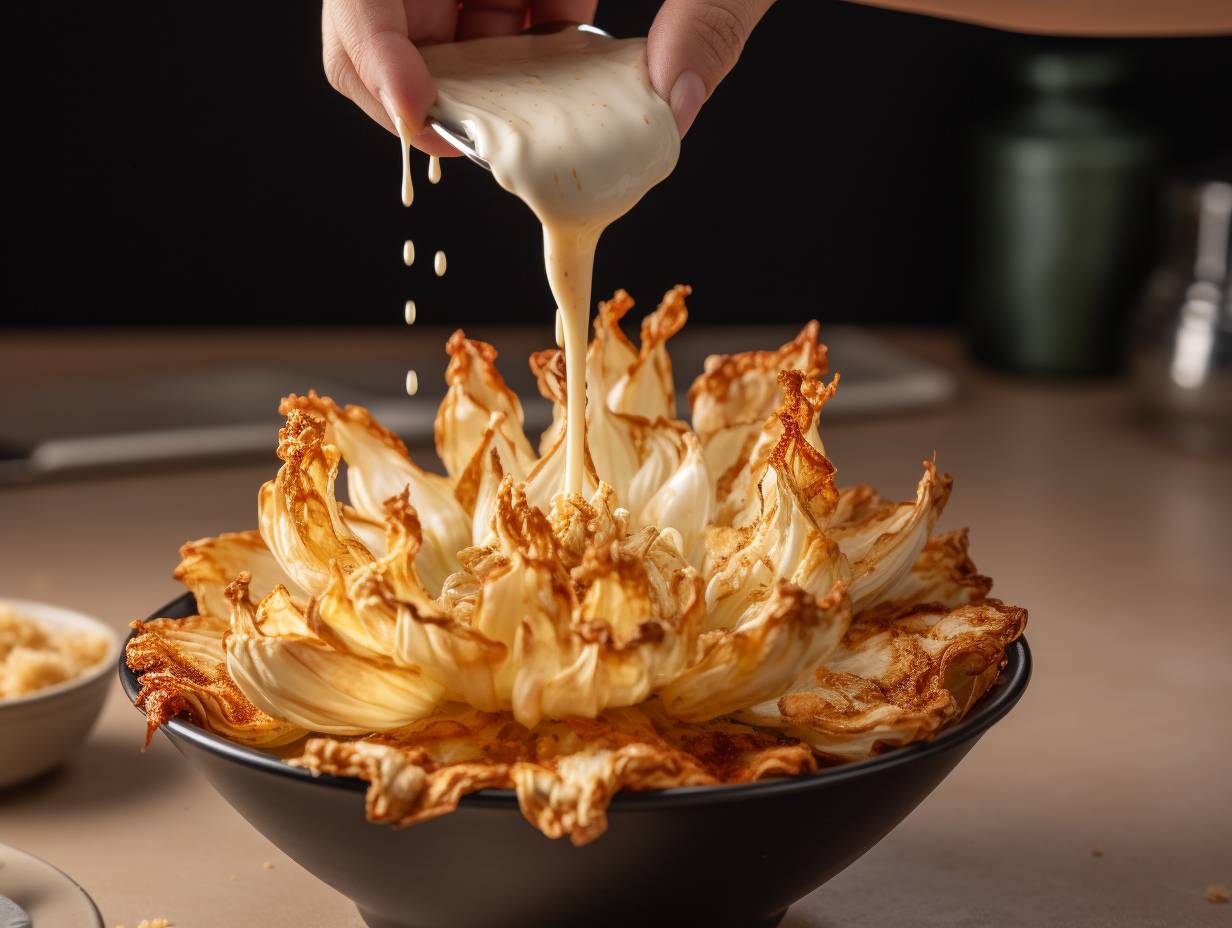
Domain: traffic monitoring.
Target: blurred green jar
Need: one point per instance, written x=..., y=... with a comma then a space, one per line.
x=1064, y=192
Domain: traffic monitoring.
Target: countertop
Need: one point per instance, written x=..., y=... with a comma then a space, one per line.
x=1103, y=799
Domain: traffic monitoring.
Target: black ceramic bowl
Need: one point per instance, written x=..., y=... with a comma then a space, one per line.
x=728, y=855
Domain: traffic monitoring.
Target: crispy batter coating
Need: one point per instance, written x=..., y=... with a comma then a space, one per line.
x=899, y=675
x=565, y=773
x=713, y=609
x=183, y=669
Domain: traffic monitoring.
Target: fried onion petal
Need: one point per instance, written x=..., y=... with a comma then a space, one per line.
x=182, y=666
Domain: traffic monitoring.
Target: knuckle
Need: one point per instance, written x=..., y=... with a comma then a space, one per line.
x=721, y=29
x=365, y=57
x=335, y=71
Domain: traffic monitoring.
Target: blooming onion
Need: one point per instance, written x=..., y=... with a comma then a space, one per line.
x=712, y=609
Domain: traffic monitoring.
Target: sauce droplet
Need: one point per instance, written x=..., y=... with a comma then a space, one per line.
x=408, y=252
x=408, y=188
x=560, y=329
x=434, y=169
x=408, y=312
x=438, y=263
x=412, y=383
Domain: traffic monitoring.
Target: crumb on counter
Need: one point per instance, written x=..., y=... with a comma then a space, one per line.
x=1219, y=893
x=34, y=656
x=266, y=865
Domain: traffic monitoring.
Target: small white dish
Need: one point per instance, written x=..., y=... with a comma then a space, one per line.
x=40, y=730
x=47, y=895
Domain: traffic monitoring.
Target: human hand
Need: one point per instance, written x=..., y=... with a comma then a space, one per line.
x=370, y=54
x=692, y=46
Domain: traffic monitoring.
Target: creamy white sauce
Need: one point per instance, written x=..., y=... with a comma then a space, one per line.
x=408, y=188
x=571, y=125
x=408, y=312
x=408, y=252
x=412, y=383
x=439, y=263
x=434, y=169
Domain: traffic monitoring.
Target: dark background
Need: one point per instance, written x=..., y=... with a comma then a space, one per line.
x=188, y=164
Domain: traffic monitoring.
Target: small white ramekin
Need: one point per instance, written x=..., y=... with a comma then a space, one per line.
x=40, y=730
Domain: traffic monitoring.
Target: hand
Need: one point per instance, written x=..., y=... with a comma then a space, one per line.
x=369, y=49
x=692, y=46
x=370, y=55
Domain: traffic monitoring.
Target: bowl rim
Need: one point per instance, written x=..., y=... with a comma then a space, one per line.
x=50, y=613
x=993, y=706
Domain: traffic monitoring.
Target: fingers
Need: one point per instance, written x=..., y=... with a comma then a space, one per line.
x=342, y=77
x=491, y=17
x=479, y=18
x=372, y=37
x=693, y=44
x=370, y=58
x=572, y=11
x=431, y=21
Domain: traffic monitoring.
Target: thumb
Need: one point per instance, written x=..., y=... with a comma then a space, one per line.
x=693, y=44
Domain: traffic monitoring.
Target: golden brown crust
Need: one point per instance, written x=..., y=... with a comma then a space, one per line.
x=657, y=328
x=476, y=391
x=324, y=408
x=404, y=786
x=207, y=565
x=813, y=471
x=565, y=773
x=716, y=397
x=861, y=503
x=943, y=573
x=607, y=321
x=548, y=366
x=181, y=667
x=466, y=490
x=900, y=675
x=668, y=318
x=199, y=565
x=687, y=621
x=304, y=491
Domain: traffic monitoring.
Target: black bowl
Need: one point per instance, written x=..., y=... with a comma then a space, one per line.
x=726, y=855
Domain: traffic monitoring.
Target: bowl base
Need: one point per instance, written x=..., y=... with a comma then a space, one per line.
x=380, y=921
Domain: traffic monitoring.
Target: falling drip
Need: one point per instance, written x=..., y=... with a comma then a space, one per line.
x=408, y=312
x=560, y=329
x=412, y=383
x=438, y=263
x=408, y=188
x=408, y=252
x=434, y=169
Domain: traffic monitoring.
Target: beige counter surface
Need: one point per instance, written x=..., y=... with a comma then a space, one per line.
x=1105, y=798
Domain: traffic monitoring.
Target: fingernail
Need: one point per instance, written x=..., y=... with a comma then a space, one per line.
x=390, y=110
x=686, y=99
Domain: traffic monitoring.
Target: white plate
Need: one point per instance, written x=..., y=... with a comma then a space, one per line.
x=49, y=897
